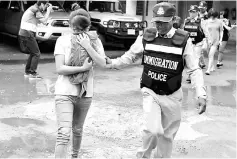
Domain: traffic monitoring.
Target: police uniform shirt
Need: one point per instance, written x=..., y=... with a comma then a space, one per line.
x=136, y=50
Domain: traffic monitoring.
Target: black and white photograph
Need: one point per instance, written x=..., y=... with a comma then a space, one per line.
x=117, y=79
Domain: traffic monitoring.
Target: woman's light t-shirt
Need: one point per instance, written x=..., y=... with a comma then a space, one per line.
x=63, y=86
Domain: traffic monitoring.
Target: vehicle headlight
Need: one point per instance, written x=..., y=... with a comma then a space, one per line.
x=135, y=25
x=143, y=24
x=41, y=33
x=105, y=23
x=113, y=24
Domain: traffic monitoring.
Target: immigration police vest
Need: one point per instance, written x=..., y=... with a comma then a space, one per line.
x=194, y=28
x=163, y=62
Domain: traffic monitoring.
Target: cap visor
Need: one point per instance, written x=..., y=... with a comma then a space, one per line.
x=161, y=19
x=200, y=7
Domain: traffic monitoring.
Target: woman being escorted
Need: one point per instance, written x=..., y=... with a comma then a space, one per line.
x=215, y=33
x=74, y=86
x=227, y=27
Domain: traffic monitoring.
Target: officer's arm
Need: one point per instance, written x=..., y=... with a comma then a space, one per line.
x=194, y=70
x=133, y=55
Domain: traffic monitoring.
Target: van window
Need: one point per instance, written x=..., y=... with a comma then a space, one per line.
x=15, y=5
x=4, y=4
x=27, y=4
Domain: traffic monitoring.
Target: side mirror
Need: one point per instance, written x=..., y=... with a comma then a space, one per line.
x=15, y=8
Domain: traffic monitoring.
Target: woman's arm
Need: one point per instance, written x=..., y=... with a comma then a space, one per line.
x=85, y=42
x=63, y=69
x=221, y=31
x=228, y=27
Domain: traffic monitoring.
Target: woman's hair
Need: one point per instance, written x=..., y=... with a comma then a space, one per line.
x=79, y=19
x=212, y=13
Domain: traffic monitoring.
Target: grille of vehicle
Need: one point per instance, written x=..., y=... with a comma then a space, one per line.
x=56, y=34
x=129, y=25
x=60, y=23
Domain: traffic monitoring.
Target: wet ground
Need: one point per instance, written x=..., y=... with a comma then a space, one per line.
x=112, y=129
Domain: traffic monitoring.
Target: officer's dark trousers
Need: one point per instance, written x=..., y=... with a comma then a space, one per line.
x=162, y=121
x=31, y=47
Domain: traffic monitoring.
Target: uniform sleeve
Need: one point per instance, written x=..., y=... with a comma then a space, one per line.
x=59, y=47
x=131, y=56
x=194, y=70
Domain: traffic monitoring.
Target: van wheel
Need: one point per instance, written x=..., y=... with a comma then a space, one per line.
x=21, y=45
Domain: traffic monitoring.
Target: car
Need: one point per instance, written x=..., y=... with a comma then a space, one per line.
x=111, y=24
x=12, y=11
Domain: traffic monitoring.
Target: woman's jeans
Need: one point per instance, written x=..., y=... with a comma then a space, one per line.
x=71, y=112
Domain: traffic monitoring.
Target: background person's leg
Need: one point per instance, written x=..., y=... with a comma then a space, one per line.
x=152, y=128
x=79, y=115
x=64, y=111
x=212, y=52
x=221, y=53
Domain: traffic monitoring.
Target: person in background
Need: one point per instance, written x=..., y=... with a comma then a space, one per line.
x=164, y=51
x=203, y=15
x=27, y=34
x=215, y=34
x=74, y=86
x=192, y=24
x=227, y=27
x=177, y=22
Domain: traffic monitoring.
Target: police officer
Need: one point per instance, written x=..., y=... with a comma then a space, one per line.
x=192, y=24
x=164, y=51
x=27, y=34
x=203, y=15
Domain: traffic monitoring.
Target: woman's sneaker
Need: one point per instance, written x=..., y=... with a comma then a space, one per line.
x=219, y=64
x=34, y=76
x=26, y=75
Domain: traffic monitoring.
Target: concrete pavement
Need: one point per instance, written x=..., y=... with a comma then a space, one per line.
x=112, y=129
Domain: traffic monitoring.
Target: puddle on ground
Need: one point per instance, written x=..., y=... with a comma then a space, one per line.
x=35, y=145
x=14, y=88
x=23, y=122
x=223, y=96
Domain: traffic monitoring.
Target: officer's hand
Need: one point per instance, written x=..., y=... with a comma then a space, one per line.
x=108, y=63
x=108, y=60
x=220, y=43
x=201, y=105
x=87, y=65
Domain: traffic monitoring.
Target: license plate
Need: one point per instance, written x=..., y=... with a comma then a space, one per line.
x=193, y=34
x=131, y=31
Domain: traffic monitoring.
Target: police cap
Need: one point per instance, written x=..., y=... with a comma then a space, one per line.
x=163, y=12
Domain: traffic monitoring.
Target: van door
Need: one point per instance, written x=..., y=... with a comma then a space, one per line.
x=13, y=17
x=3, y=9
